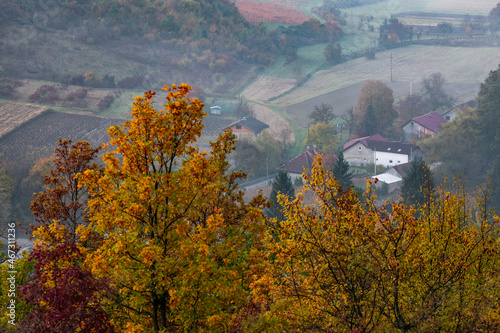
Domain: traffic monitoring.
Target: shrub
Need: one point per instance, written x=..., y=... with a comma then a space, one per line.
x=93, y=80
x=6, y=89
x=130, y=82
x=45, y=94
x=77, y=80
x=106, y=102
x=78, y=94
x=8, y=86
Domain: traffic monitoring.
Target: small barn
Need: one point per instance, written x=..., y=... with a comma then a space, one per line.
x=248, y=128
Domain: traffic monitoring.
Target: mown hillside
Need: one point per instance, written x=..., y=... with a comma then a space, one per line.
x=206, y=43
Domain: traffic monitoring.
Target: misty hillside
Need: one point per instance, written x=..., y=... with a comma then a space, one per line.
x=143, y=43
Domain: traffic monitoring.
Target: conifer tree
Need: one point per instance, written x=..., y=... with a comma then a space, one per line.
x=417, y=184
x=342, y=173
x=282, y=184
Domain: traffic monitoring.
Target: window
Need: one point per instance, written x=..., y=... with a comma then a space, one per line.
x=390, y=161
x=359, y=148
x=238, y=126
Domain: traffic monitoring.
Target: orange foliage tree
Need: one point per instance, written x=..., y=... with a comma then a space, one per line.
x=344, y=265
x=179, y=242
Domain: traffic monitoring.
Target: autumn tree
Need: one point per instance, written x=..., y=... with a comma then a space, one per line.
x=282, y=184
x=392, y=32
x=178, y=239
x=418, y=184
x=62, y=294
x=445, y=28
x=350, y=121
x=379, y=96
x=257, y=158
x=322, y=113
x=494, y=177
x=434, y=93
x=322, y=135
x=410, y=107
x=457, y=147
x=333, y=53
x=64, y=199
x=341, y=265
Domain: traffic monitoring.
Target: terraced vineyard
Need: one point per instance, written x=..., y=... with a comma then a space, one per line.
x=40, y=135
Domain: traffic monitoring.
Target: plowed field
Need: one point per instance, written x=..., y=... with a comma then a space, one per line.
x=41, y=134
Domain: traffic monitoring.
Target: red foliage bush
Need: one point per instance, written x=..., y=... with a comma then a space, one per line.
x=45, y=94
x=79, y=94
x=106, y=102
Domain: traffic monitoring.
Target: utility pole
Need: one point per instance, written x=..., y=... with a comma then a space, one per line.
x=391, y=65
x=411, y=84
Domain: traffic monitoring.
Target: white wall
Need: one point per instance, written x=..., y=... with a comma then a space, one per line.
x=390, y=159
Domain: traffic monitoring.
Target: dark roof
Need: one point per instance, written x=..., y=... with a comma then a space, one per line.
x=392, y=147
x=365, y=140
x=252, y=124
x=402, y=169
x=297, y=164
x=470, y=104
x=432, y=121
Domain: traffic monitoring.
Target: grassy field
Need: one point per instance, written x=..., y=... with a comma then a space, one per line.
x=457, y=64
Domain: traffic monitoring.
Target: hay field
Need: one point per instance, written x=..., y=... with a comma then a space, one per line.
x=457, y=64
x=267, y=87
x=469, y=6
x=13, y=115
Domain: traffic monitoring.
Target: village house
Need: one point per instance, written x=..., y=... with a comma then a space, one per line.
x=424, y=125
x=452, y=113
x=378, y=150
x=296, y=166
x=248, y=128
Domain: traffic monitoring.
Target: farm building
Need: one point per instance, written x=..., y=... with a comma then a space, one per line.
x=421, y=126
x=216, y=110
x=393, y=177
x=248, y=128
x=452, y=113
x=376, y=149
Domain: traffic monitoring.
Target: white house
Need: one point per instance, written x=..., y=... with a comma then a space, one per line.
x=376, y=149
